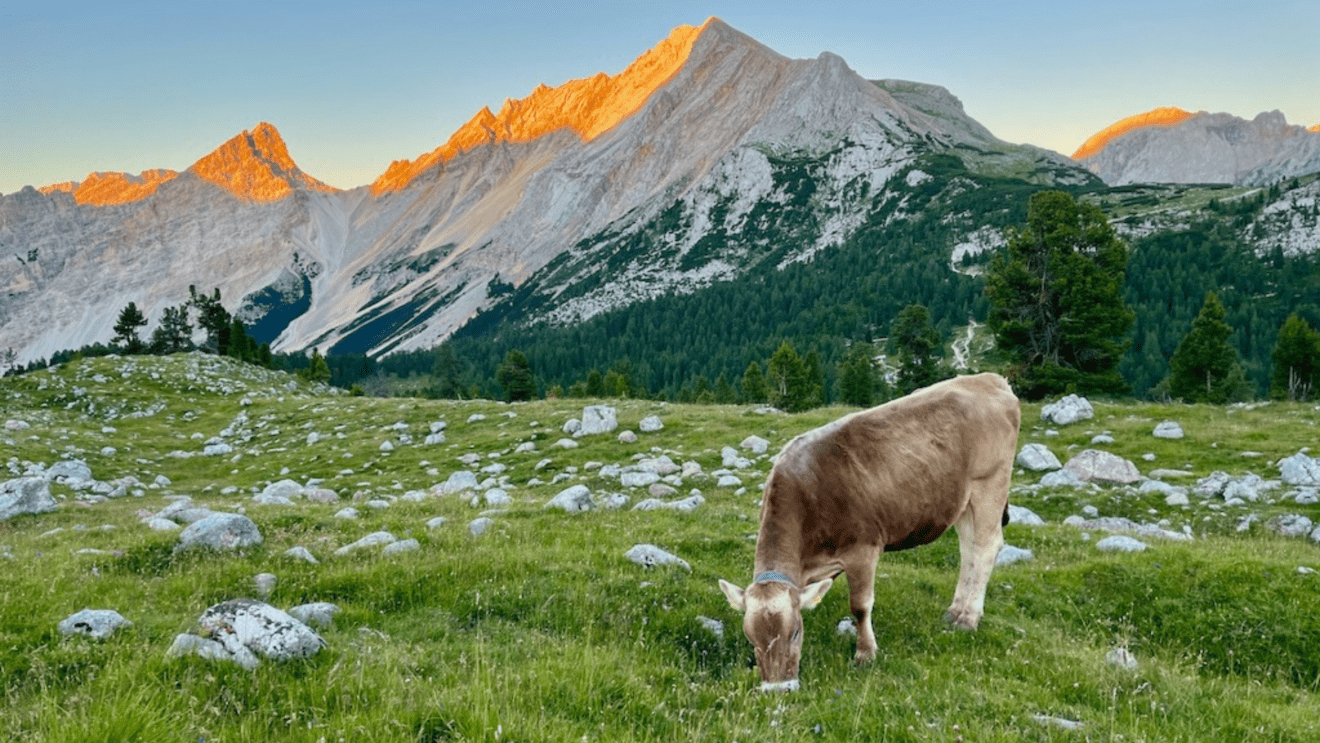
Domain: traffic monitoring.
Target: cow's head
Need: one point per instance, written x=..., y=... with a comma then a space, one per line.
x=772, y=620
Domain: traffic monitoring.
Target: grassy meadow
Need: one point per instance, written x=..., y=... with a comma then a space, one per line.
x=541, y=630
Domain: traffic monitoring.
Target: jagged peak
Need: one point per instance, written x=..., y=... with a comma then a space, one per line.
x=1315, y=129
x=110, y=188
x=1164, y=116
x=587, y=106
x=255, y=165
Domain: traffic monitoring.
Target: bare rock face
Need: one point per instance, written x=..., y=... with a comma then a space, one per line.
x=1092, y=465
x=1207, y=148
x=25, y=495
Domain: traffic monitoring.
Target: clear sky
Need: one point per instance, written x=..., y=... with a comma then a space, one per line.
x=127, y=86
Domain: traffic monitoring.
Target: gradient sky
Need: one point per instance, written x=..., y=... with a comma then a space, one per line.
x=127, y=86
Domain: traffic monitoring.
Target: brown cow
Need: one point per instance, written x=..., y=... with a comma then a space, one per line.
x=885, y=479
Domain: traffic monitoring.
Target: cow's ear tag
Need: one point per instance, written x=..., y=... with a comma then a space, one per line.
x=734, y=594
x=812, y=594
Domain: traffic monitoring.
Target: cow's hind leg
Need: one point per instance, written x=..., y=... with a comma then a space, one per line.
x=980, y=535
x=861, y=599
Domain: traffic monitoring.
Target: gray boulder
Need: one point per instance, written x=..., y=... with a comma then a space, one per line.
x=649, y=556
x=25, y=495
x=319, y=613
x=597, y=419
x=1168, y=430
x=459, y=481
x=1290, y=525
x=246, y=629
x=301, y=553
x=1008, y=554
x=480, y=526
x=688, y=504
x=638, y=479
x=1301, y=470
x=374, y=539
x=1024, y=516
x=401, y=546
x=219, y=531
x=1093, y=465
x=97, y=624
x=1070, y=409
x=1060, y=479
x=573, y=500
x=627, y=437
x=72, y=470
x=1120, y=543
x=757, y=444
x=650, y=424
x=1037, y=458
x=283, y=489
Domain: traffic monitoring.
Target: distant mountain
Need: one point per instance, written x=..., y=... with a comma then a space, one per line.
x=1169, y=145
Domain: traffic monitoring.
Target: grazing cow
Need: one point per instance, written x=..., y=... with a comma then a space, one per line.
x=885, y=479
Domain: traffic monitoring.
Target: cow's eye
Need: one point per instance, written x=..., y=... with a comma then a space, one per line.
x=797, y=633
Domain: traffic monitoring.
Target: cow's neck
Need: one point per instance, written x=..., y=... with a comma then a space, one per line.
x=779, y=544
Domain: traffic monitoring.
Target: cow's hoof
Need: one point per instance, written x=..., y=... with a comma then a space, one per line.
x=862, y=658
x=960, y=621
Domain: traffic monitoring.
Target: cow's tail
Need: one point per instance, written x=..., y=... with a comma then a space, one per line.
x=1004, y=521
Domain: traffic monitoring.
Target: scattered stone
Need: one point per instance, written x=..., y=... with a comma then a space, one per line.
x=573, y=500
x=378, y=504
x=1024, y=516
x=301, y=553
x=25, y=495
x=401, y=546
x=97, y=624
x=245, y=629
x=1061, y=478
x=476, y=417
x=498, y=498
x=714, y=626
x=265, y=584
x=1102, y=438
x=69, y=470
x=321, y=495
x=480, y=526
x=638, y=479
x=614, y=501
x=1093, y=465
x=347, y=513
x=1177, y=499
x=218, y=449
x=731, y=458
x=1303, y=570
x=1164, y=474
x=1068, y=410
x=1289, y=525
x=1120, y=524
x=1120, y=543
x=688, y=504
x=846, y=627
x=650, y=424
x=374, y=539
x=757, y=444
x=571, y=426
x=1168, y=430
x=597, y=419
x=1059, y=722
x=1306, y=497
x=13, y=424
x=661, y=490
x=729, y=481
x=436, y=523
x=459, y=481
x=649, y=555
x=319, y=613
x=627, y=437
x=159, y=524
x=1038, y=458
x=434, y=438
x=219, y=531
x=565, y=444
x=1301, y=470
x=1008, y=554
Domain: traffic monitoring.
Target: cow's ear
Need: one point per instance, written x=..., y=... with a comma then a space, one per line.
x=734, y=594
x=812, y=594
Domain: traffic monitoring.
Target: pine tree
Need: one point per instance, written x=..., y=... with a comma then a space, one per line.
x=791, y=387
x=126, y=328
x=1296, y=359
x=919, y=347
x=754, y=388
x=1205, y=366
x=317, y=369
x=857, y=376
x=174, y=334
x=1056, y=299
x=447, y=371
x=515, y=376
x=595, y=384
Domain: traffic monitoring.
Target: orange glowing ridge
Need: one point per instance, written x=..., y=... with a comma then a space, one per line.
x=256, y=166
x=587, y=106
x=107, y=189
x=1315, y=129
x=1167, y=116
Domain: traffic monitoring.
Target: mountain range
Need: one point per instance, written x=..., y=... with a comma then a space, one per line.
x=709, y=156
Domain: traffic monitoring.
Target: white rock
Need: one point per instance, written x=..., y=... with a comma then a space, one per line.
x=1008, y=554
x=301, y=553
x=573, y=500
x=1168, y=430
x=729, y=481
x=498, y=498
x=1061, y=478
x=1120, y=543
x=1301, y=470
x=459, y=481
x=1070, y=409
x=597, y=419
x=221, y=531
x=714, y=626
x=571, y=426
x=436, y=523
x=756, y=444
x=1024, y=516
x=159, y=524
x=627, y=437
x=638, y=479
x=319, y=613
x=1093, y=465
x=260, y=629
x=401, y=546
x=480, y=526
x=97, y=624
x=25, y=495
x=476, y=417
x=649, y=555
x=1122, y=658
x=650, y=424
x=265, y=583
x=374, y=539
x=1038, y=458
x=347, y=513
x=565, y=444
x=1289, y=525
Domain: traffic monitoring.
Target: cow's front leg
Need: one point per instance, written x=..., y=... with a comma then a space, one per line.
x=861, y=599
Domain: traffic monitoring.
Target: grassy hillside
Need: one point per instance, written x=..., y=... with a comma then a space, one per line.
x=540, y=629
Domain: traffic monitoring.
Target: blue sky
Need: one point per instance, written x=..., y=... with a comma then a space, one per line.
x=134, y=85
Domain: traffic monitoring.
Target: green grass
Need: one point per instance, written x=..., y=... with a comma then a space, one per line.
x=541, y=630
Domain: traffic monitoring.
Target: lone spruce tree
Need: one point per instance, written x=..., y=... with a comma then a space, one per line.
x=1205, y=366
x=792, y=387
x=515, y=376
x=126, y=328
x=919, y=347
x=1296, y=359
x=1056, y=300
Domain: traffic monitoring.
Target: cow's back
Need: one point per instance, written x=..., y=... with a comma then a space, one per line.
x=897, y=474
